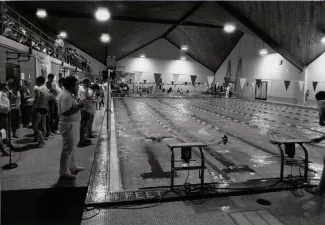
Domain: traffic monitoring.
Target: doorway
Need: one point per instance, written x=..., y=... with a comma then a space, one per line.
x=261, y=92
x=13, y=72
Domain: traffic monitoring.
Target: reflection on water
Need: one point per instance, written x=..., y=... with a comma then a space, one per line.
x=262, y=160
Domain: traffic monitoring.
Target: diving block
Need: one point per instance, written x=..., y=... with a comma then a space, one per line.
x=186, y=149
x=290, y=150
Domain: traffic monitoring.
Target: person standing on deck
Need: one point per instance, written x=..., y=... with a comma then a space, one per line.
x=306, y=97
x=70, y=117
x=320, y=98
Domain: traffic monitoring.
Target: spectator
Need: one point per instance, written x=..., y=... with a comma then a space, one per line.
x=15, y=102
x=84, y=95
x=26, y=104
x=52, y=118
x=9, y=31
x=4, y=111
x=94, y=89
x=59, y=44
x=70, y=117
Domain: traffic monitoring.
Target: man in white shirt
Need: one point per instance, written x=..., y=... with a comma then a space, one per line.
x=85, y=96
x=59, y=44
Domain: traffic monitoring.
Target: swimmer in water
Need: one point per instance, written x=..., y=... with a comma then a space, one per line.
x=158, y=138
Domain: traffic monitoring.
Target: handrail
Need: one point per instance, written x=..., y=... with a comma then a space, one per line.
x=57, y=52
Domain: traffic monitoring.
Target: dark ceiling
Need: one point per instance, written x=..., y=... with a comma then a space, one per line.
x=293, y=29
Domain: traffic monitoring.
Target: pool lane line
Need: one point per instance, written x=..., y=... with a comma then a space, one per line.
x=255, y=126
x=115, y=183
x=279, y=105
x=208, y=149
x=238, y=105
x=251, y=115
x=252, y=144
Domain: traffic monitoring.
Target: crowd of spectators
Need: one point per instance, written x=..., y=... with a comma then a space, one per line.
x=56, y=49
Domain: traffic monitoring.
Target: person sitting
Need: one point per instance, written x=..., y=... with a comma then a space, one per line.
x=187, y=91
x=9, y=31
x=58, y=44
x=169, y=90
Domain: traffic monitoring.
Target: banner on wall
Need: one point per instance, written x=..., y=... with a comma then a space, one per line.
x=210, y=80
x=43, y=65
x=185, y=83
x=258, y=82
x=315, y=85
x=301, y=84
x=176, y=76
x=144, y=81
x=193, y=79
x=287, y=83
x=137, y=76
x=242, y=82
x=172, y=82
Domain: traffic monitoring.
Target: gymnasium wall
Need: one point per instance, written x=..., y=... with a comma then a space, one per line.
x=267, y=68
x=163, y=57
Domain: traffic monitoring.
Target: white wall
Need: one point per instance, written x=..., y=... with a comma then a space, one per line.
x=162, y=57
x=95, y=65
x=316, y=73
x=268, y=68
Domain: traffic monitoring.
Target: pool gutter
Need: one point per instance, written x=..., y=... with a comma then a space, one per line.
x=114, y=164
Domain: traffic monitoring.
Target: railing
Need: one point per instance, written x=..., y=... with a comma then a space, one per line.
x=26, y=33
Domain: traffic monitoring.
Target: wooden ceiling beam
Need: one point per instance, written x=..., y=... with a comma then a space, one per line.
x=260, y=34
x=132, y=19
x=173, y=27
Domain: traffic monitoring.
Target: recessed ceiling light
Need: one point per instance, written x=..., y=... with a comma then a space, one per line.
x=142, y=55
x=41, y=13
x=102, y=14
x=323, y=40
x=183, y=57
x=105, y=38
x=229, y=27
x=263, y=51
x=63, y=34
x=184, y=47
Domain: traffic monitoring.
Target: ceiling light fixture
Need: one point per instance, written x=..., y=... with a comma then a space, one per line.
x=41, y=13
x=184, y=47
x=229, y=27
x=105, y=38
x=183, y=57
x=263, y=51
x=63, y=34
x=102, y=14
x=142, y=55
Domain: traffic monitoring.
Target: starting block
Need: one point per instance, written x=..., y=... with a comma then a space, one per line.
x=186, y=155
x=290, y=150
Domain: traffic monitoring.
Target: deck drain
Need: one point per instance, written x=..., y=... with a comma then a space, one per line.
x=263, y=202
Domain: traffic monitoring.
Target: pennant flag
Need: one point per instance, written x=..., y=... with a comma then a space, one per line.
x=247, y=84
x=210, y=80
x=301, y=84
x=130, y=81
x=258, y=82
x=138, y=76
x=172, y=82
x=176, y=76
x=315, y=85
x=157, y=77
x=253, y=84
x=242, y=82
x=185, y=83
x=144, y=81
x=198, y=83
x=287, y=83
x=193, y=79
